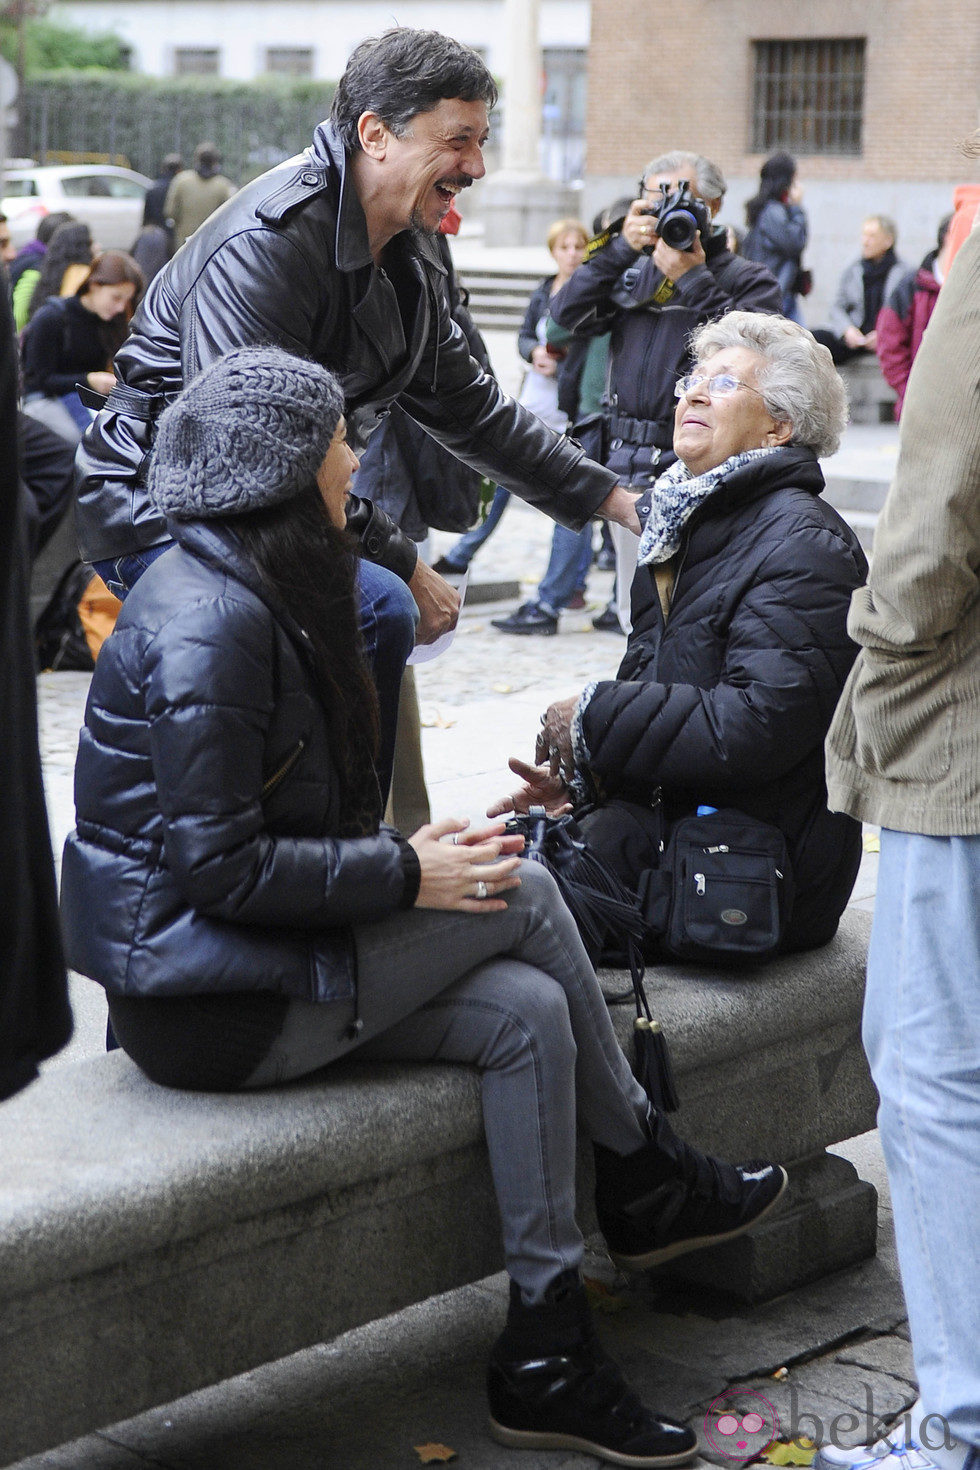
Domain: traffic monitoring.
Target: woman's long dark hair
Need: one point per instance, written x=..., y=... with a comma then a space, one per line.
x=775, y=178
x=70, y=244
x=312, y=567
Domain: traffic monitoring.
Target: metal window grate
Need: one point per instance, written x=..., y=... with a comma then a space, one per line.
x=192, y=61
x=809, y=96
x=290, y=61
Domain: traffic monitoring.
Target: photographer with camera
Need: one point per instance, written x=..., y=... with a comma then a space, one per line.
x=651, y=279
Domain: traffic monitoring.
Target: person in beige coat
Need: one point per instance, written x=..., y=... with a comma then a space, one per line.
x=904, y=752
x=196, y=193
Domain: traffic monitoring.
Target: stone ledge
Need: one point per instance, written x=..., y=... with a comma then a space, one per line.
x=154, y=1242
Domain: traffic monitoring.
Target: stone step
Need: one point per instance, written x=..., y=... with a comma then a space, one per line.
x=498, y=297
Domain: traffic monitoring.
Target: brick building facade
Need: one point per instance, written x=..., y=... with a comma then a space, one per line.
x=872, y=98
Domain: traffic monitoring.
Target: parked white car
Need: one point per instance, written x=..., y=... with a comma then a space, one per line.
x=108, y=199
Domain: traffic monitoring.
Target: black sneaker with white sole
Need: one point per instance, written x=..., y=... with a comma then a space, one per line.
x=653, y=1208
x=552, y=1386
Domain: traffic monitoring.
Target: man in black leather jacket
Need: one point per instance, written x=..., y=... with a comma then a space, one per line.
x=651, y=298
x=328, y=256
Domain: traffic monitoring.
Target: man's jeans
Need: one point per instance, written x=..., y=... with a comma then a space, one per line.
x=568, y=567
x=388, y=620
x=922, y=1036
x=462, y=552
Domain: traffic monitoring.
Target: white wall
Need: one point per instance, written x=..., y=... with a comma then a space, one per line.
x=242, y=29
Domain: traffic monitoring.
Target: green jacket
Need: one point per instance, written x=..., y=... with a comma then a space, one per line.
x=904, y=747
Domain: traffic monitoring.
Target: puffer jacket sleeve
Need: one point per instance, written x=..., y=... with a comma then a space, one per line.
x=209, y=695
x=786, y=658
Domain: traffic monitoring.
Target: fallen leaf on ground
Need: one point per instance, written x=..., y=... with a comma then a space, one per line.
x=434, y=1454
x=872, y=842
x=436, y=720
x=795, y=1452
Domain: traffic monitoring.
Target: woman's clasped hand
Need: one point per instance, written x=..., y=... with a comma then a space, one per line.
x=469, y=872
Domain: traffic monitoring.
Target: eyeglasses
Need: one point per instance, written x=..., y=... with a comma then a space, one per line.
x=722, y=385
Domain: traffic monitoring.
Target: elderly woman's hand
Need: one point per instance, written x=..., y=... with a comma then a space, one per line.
x=541, y=788
x=469, y=873
x=554, y=742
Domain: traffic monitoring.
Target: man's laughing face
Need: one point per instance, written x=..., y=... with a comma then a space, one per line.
x=439, y=154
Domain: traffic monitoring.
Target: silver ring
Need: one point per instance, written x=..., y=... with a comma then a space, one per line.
x=482, y=891
x=455, y=839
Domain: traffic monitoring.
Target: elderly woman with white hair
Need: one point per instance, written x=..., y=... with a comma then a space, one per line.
x=739, y=649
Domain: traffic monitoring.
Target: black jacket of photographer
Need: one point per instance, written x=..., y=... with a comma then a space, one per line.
x=727, y=701
x=621, y=292
x=287, y=261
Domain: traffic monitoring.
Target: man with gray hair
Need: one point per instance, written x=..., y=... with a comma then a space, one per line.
x=864, y=287
x=651, y=297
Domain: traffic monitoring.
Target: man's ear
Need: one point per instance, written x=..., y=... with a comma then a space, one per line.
x=713, y=206
x=373, y=135
x=780, y=433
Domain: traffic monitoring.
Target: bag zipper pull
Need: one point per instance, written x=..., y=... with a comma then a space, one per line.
x=722, y=847
x=699, y=884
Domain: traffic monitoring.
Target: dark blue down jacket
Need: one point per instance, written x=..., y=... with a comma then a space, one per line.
x=727, y=702
x=206, y=795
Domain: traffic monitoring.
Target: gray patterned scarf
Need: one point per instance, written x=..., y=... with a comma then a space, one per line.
x=675, y=497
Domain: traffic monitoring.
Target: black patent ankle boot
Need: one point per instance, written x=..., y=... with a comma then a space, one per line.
x=552, y=1386
x=668, y=1198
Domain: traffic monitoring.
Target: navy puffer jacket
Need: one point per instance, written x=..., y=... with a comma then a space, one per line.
x=727, y=702
x=207, y=797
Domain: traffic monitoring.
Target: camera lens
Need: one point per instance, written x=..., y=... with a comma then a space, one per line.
x=678, y=229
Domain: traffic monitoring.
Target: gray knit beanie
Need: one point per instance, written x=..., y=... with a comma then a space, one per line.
x=250, y=431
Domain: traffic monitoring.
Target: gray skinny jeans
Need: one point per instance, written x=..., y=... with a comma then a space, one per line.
x=514, y=994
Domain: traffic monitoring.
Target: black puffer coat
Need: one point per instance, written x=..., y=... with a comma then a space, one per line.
x=728, y=702
x=206, y=798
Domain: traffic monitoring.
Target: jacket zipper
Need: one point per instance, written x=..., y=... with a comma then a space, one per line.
x=284, y=769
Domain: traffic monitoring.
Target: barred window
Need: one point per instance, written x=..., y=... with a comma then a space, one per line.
x=809, y=96
x=291, y=61
x=196, y=61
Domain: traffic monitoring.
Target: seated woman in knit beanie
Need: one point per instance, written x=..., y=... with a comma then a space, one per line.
x=231, y=885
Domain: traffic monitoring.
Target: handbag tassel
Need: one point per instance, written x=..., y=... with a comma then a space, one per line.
x=653, y=1068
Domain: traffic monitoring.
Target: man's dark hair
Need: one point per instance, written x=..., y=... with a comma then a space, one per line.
x=405, y=72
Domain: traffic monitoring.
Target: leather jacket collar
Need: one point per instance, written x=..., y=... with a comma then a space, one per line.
x=352, y=250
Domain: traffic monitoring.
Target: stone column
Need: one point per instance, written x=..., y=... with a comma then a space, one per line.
x=519, y=202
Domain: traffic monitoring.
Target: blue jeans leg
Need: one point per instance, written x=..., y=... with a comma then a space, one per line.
x=388, y=621
x=922, y=1036
x=569, y=549
x=464, y=550
x=122, y=574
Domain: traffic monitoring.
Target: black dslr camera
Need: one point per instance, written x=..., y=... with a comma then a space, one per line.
x=680, y=217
